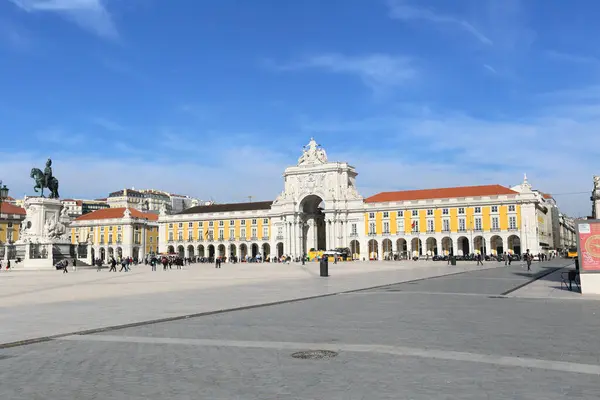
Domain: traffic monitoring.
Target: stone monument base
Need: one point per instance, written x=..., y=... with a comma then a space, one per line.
x=44, y=240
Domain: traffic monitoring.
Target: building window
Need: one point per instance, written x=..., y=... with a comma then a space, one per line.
x=190, y=235
x=210, y=235
x=371, y=215
x=512, y=222
x=386, y=227
x=265, y=232
x=429, y=212
x=400, y=225
x=253, y=222
x=386, y=214
x=190, y=224
x=180, y=236
x=372, y=228
x=495, y=225
x=119, y=238
x=511, y=207
x=201, y=234
x=119, y=227
x=461, y=210
x=477, y=210
x=494, y=209
x=232, y=222
x=221, y=223
x=415, y=226
x=477, y=224
x=446, y=225
x=243, y=233
x=181, y=224
x=415, y=213
x=221, y=233
x=210, y=223
x=353, y=230
x=170, y=225
x=101, y=239
x=110, y=237
x=280, y=231
x=430, y=226
x=265, y=220
x=150, y=239
x=401, y=213
x=462, y=225
x=232, y=234
x=254, y=234
x=243, y=222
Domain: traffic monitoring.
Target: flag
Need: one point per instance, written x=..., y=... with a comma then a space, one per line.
x=413, y=225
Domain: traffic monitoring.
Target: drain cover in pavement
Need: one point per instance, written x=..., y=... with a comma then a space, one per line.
x=314, y=354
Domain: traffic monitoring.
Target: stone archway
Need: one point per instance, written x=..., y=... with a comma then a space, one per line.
x=514, y=244
x=355, y=249
x=119, y=253
x=386, y=245
x=200, y=250
x=254, y=250
x=191, y=251
x=221, y=250
x=279, y=249
x=171, y=250
x=431, y=244
x=266, y=250
x=497, y=245
x=416, y=247
x=232, y=250
x=180, y=251
x=211, y=251
x=373, y=250
x=447, y=246
x=463, y=246
x=102, y=253
x=243, y=251
x=136, y=253
x=402, y=247
x=479, y=245
x=313, y=233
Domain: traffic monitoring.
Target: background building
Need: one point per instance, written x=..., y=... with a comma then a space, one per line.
x=119, y=232
x=152, y=200
x=11, y=217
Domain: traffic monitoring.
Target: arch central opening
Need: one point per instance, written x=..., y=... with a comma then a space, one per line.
x=313, y=233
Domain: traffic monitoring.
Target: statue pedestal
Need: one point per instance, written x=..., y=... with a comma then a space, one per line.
x=44, y=240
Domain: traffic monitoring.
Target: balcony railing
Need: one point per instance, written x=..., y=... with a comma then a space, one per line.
x=372, y=234
x=232, y=239
x=265, y=238
x=430, y=231
x=279, y=237
x=254, y=238
x=353, y=234
x=495, y=230
x=445, y=230
x=478, y=230
x=462, y=230
x=512, y=229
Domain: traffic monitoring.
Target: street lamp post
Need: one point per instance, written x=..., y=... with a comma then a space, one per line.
x=3, y=195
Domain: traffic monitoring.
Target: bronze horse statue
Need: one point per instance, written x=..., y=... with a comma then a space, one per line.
x=40, y=183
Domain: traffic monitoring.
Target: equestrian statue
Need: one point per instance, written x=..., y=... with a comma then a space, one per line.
x=45, y=180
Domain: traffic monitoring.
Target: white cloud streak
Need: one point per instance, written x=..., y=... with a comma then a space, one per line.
x=91, y=15
x=378, y=71
x=402, y=10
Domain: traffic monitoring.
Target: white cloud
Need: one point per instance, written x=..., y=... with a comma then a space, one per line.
x=108, y=124
x=490, y=68
x=573, y=58
x=402, y=10
x=91, y=15
x=378, y=71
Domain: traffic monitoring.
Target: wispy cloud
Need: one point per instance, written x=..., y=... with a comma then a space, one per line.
x=14, y=37
x=108, y=124
x=574, y=58
x=60, y=137
x=402, y=10
x=490, y=68
x=376, y=70
x=91, y=15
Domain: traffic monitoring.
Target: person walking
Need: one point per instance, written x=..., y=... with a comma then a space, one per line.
x=528, y=259
x=65, y=266
x=98, y=265
x=479, y=259
x=75, y=264
x=113, y=265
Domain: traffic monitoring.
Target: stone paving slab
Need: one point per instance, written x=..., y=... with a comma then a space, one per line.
x=392, y=345
x=46, y=304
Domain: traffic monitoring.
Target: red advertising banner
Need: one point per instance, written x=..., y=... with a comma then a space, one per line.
x=589, y=246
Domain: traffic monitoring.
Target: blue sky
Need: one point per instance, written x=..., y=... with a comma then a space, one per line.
x=214, y=98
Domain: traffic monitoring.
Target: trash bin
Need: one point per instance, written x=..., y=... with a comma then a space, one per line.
x=324, y=267
x=452, y=260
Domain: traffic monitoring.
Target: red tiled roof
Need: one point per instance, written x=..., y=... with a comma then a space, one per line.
x=7, y=208
x=442, y=193
x=547, y=196
x=111, y=213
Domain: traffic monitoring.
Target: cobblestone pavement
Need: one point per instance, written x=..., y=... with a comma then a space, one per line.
x=443, y=341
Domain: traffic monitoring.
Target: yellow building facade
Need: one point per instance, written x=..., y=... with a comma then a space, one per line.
x=11, y=217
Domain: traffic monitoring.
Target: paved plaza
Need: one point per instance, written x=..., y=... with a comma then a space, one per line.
x=414, y=330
